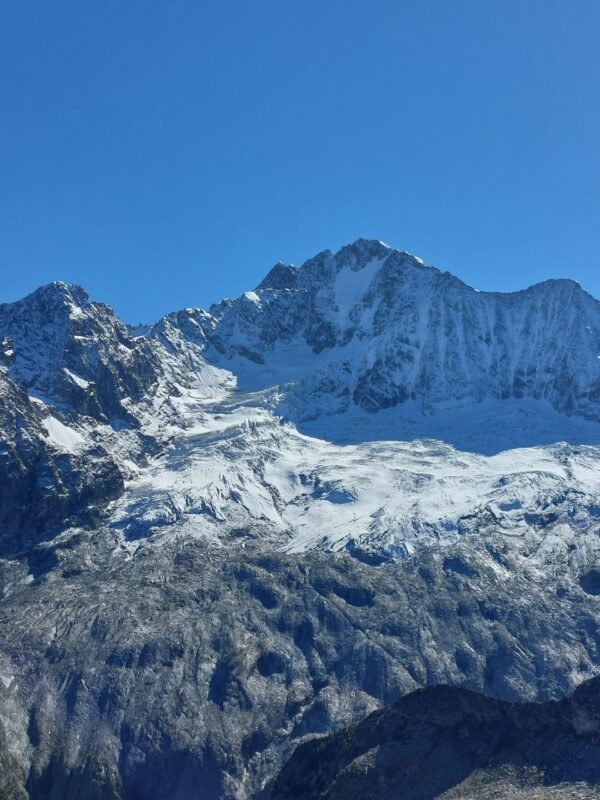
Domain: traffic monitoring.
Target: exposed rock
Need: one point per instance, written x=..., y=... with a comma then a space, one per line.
x=411, y=332
x=43, y=483
x=77, y=354
x=143, y=677
x=444, y=742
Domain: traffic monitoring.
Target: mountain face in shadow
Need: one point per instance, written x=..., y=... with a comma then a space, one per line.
x=450, y=743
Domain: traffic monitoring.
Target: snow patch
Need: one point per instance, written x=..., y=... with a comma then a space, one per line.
x=83, y=384
x=351, y=285
x=63, y=437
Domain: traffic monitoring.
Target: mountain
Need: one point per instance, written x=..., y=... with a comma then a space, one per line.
x=47, y=469
x=75, y=389
x=375, y=327
x=76, y=355
x=451, y=743
x=236, y=528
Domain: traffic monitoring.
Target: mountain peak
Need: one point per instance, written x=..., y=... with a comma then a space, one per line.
x=560, y=282
x=361, y=252
x=366, y=246
x=281, y=276
x=58, y=293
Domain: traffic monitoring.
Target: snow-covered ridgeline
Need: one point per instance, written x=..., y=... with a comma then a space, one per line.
x=372, y=357
x=375, y=327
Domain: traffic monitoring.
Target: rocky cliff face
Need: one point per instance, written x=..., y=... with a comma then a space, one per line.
x=234, y=529
x=76, y=354
x=448, y=743
x=379, y=328
x=47, y=471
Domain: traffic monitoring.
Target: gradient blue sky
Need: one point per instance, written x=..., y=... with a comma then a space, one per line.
x=167, y=153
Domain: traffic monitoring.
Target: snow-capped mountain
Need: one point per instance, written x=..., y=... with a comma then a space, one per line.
x=74, y=354
x=375, y=327
x=74, y=386
x=271, y=410
x=265, y=519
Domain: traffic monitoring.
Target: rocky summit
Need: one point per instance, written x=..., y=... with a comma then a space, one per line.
x=235, y=529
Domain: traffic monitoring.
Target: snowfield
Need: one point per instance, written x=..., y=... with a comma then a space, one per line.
x=237, y=465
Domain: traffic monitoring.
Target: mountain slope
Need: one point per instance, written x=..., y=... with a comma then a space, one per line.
x=192, y=666
x=48, y=470
x=82, y=403
x=449, y=743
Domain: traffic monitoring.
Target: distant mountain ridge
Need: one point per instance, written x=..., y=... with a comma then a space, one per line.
x=382, y=326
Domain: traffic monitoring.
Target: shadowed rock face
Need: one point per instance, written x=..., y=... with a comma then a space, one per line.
x=63, y=360
x=443, y=742
x=40, y=486
x=77, y=354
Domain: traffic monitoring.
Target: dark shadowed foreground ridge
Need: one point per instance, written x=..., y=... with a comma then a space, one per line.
x=444, y=742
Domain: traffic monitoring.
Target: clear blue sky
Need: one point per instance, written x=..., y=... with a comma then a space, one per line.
x=167, y=153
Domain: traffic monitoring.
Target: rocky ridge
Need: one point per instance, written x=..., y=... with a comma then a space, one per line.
x=444, y=742
x=386, y=329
